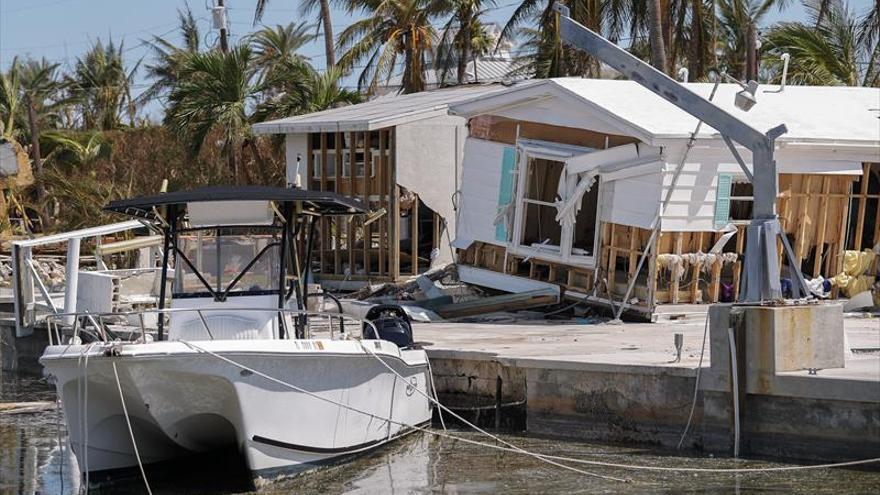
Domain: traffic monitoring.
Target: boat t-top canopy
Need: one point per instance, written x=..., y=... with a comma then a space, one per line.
x=308, y=202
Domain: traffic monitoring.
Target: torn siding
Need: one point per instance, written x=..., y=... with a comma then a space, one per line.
x=428, y=153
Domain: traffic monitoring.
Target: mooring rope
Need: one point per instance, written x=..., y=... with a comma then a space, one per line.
x=434, y=391
x=374, y=416
x=542, y=457
x=137, y=454
x=632, y=466
x=687, y=425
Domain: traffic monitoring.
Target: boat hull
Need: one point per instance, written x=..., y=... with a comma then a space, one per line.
x=185, y=399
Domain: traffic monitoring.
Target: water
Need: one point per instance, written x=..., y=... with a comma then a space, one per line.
x=30, y=463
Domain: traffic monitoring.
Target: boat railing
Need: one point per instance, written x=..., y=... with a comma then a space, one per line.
x=314, y=324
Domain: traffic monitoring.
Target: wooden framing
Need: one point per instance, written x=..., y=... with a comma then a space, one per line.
x=363, y=166
x=814, y=210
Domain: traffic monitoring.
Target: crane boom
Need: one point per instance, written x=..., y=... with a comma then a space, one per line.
x=761, y=281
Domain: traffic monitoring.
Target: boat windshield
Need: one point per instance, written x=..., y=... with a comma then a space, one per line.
x=227, y=262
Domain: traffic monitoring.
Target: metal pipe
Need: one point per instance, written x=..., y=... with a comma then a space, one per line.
x=71, y=277
x=734, y=391
x=166, y=255
x=785, y=59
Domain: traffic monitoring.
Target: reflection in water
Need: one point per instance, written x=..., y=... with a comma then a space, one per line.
x=30, y=463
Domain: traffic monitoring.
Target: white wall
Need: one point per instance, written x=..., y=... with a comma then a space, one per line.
x=480, y=182
x=692, y=207
x=428, y=155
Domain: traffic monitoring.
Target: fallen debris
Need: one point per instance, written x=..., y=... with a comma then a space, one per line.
x=504, y=302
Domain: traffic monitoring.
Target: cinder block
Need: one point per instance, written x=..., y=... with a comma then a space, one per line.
x=794, y=338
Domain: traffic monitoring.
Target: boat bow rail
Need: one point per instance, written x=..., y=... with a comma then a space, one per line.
x=116, y=327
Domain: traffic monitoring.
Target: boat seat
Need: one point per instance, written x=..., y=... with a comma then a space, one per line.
x=225, y=324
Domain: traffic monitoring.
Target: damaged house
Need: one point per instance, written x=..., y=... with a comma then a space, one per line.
x=399, y=153
x=563, y=181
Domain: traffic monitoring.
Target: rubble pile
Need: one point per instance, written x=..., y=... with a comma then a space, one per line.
x=440, y=295
x=51, y=272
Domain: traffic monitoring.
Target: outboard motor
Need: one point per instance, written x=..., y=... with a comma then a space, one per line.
x=391, y=322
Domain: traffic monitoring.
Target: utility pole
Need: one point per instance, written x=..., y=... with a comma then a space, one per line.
x=220, y=22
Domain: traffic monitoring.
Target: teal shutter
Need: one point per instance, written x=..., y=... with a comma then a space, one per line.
x=722, y=200
x=505, y=190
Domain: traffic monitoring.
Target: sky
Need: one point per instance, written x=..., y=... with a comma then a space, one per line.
x=60, y=30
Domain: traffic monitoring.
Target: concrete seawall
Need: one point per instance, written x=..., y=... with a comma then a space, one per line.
x=617, y=383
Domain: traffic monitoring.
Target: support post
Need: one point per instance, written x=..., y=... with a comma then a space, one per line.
x=71, y=277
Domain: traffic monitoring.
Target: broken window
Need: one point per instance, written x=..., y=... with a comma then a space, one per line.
x=540, y=228
x=546, y=229
x=741, y=200
x=584, y=234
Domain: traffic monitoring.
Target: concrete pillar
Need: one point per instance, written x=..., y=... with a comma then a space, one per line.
x=71, y=278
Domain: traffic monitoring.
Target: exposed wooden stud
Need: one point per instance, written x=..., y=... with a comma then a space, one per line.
x=737, y=268
x=381, y=174
x=715, y=284
x=368, y=170
x=322, y=223
x=676, y=278
x=698, y=266
x=802, y=221
x=860, y=217
x=394, y=200
x=414, y=235
x=823, y=224
x=338, y=222
x=352, y=192
x=612, y=262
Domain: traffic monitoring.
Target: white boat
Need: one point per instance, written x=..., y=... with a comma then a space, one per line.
x=236, y=361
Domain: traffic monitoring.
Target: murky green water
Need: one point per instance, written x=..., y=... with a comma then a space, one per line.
x=30, y=463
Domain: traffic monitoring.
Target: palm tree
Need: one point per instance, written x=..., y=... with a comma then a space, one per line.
x=10, y=99
x=169, y=57
x=70, y=151
x=101, y=83
x=307, y=7
x=41, y=88
x=656, y=36
x=737, y=23
x=306, y=91
x=462, y=31
x=213, y=94
x=276, y=47
x=825, y=51
x=544, y=51
x=392, y=29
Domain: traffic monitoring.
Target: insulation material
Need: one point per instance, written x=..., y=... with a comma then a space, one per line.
x=676, y=263
x=478, y=198
x=853, y=279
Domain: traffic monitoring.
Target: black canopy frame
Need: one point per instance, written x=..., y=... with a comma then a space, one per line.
x=299, y=209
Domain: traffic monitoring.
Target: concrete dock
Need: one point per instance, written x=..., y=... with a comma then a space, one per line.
x=620, y=383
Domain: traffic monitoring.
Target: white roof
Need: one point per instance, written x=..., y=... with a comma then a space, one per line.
x=812, y=114
x=381, y=112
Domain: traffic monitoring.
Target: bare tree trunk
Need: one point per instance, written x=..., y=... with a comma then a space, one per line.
x=698, y=41
x=35, y=150
x=463, y=54
x=823, y=11
x=655, y=36
x=751, y=53
x=328, y=33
